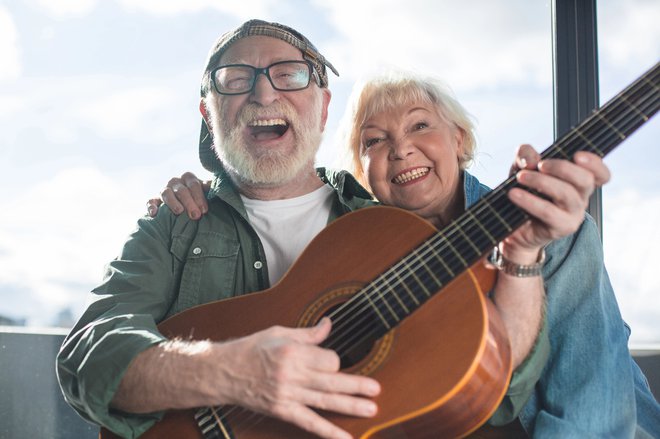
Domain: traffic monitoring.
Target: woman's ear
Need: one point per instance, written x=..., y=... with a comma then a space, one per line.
x=459, y=137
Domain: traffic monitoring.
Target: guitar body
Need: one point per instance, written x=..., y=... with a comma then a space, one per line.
x=443, y=370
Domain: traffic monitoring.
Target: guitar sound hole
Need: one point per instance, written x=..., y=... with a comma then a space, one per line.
x=356, y=353
x=352, y=341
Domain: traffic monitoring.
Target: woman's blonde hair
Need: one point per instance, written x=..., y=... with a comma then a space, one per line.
x=394, y=89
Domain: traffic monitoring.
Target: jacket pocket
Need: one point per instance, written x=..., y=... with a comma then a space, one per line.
x=208, y=269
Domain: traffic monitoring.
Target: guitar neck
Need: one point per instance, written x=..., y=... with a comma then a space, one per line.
x=399, y=291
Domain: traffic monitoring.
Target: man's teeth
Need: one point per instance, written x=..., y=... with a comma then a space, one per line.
x=410, y=175
x=267, y=122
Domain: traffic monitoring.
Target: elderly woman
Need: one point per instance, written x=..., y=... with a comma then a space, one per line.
x=410, y=142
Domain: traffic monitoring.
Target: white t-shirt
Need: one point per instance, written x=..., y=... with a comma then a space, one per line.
x=285, y=227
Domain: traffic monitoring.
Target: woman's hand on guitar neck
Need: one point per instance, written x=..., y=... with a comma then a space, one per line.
x=182, y=194
x=566, y=186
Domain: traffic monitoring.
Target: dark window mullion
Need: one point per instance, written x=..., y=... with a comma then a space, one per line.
x=575, y=72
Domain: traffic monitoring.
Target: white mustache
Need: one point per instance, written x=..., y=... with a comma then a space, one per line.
x=277, y=110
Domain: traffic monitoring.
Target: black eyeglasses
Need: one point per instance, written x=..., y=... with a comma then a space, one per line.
x=236, y=79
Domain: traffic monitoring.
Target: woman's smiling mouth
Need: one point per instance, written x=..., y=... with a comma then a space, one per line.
x=410, y=175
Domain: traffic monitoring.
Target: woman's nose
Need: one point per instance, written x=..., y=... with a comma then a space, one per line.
x=400, y=148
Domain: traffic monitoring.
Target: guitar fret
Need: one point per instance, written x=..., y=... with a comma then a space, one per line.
x=419, y=282
x=375, y=308
x=645, y=118
x=410, y=293
x=458, y=255
x=559, y=149
x=481, y=226
x=477, y=250
x=497, y=215
x=609, y=124
x=412, y=296
x=442, y=261
x=396, y=296
x=586, y=139
x=383, y=299
x=438, y=283
x=645, y=79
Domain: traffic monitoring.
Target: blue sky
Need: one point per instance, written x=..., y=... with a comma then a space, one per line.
x=98, y=109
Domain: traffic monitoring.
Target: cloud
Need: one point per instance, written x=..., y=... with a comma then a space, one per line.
x=630, y=245
x=10, y=67
x=131, y=113
x=629, y=31
x=61, y=230
x=239, y=9
x=63, y=9
x=443, y=37
x=62, y=115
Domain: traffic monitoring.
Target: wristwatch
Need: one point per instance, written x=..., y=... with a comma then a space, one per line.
x=503, y=264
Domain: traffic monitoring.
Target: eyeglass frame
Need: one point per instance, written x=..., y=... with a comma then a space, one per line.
x=266, y=72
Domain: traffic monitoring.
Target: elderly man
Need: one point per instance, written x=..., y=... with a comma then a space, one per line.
x=265, y=101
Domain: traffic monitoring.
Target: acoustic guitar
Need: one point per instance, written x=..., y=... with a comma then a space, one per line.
x=408, y=305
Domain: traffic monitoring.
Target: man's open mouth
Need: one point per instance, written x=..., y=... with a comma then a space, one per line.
x=268, y=129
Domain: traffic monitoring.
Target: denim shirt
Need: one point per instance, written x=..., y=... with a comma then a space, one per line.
x=528, y=373
x=171, y=263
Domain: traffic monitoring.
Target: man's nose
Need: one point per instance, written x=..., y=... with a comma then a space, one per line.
x=263, y=92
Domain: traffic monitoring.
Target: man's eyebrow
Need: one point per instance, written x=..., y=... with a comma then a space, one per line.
x=273, y=61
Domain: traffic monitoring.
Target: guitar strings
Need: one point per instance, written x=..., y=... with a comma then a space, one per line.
x=463, y=224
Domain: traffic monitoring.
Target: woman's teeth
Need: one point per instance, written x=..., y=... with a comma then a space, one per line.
x=410, y=175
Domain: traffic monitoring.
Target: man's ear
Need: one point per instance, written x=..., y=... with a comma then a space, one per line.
x=205, y=115
x=326, y=101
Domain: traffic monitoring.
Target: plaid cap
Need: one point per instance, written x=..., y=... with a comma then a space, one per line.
x=254, y=28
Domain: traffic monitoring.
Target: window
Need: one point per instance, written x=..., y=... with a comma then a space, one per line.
x=629, y=44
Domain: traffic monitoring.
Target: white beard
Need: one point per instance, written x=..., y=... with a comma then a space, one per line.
x=266, y=167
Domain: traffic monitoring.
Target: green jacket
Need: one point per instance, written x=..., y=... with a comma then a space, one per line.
x=171, y=263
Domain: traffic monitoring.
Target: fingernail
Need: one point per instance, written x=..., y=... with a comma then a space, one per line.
x=515, y=194
x=150, y=210
x=522, y=162
x=369, y=408
x=581, y=158
x=194, y=214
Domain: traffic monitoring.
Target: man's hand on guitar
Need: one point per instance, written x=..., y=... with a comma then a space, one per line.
x=282, y=372
x=567, y=186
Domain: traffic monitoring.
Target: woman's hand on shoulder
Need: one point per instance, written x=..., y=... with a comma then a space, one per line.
x=182, y=194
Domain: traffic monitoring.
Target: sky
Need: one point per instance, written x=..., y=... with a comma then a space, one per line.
x=99, y=109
